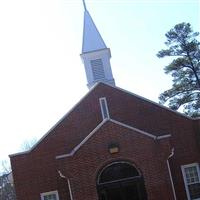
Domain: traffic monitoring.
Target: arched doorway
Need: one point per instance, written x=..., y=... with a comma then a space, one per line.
x=121, y=181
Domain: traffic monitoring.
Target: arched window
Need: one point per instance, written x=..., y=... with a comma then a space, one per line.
x=118, y=171
x=121, y=181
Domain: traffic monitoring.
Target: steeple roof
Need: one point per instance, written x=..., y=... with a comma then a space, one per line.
x=92, y=39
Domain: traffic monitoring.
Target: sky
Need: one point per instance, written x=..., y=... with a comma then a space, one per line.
x=41, y=73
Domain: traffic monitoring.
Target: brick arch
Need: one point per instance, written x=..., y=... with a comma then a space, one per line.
x=111, y=162
x=128, y=177
x=115, y=160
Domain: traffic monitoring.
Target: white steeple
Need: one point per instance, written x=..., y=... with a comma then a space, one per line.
x=95, y=55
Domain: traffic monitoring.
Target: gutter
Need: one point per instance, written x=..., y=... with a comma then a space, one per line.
x=170, y=174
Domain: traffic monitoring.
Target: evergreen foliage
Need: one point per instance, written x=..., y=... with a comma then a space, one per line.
x=184, y=69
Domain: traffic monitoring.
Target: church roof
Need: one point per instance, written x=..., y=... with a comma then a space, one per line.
x=92, y=39
x=125, y=108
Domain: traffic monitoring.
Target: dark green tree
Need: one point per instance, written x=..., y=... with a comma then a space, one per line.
x=184, y=47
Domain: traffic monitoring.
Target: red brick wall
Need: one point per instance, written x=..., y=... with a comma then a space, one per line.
x=146, y=154
x=33, y=176
x=157, y=120
x=36, y=171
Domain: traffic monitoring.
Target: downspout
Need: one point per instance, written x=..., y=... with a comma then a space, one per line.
x=68, y=182
x=170, y=174
x=70, y=190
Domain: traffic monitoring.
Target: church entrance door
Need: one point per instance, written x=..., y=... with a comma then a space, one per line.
x=121, y=181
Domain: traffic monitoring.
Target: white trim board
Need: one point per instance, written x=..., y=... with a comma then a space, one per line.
x=102, y=101
x=76, y=148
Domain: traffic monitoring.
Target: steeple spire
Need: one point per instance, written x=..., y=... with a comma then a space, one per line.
x=84, y=5
x=95, y=55
x=92, y=39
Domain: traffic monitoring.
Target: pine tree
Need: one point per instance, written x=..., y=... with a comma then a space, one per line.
x=184, y=69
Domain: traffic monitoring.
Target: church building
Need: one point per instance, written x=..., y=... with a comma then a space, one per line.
x=112, y=145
